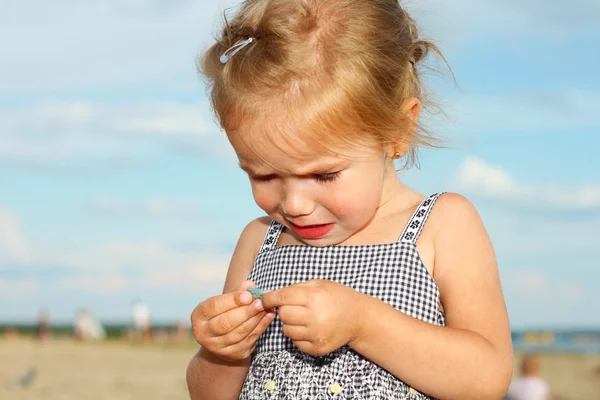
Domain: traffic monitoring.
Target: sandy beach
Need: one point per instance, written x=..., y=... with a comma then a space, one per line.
x=94, y=371
x=118, y=370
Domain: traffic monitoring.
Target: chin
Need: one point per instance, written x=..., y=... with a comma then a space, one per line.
x=324, y=242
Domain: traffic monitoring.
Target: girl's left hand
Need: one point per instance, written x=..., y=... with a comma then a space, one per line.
x=319, y=316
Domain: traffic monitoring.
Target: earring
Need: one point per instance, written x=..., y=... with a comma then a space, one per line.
x=397, y=155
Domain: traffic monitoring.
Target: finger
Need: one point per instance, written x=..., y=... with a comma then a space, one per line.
x=261, y=326
x=291, y=295
x=247, y=344
x=224, y=323
x=220, y=304
x=309, y=283
x=294, y=315
x=241, y=332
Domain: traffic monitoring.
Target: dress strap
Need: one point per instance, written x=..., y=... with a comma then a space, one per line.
x=417, y=221
x=271, y=236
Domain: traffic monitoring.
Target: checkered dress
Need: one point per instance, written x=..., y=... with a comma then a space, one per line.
x=393, y=273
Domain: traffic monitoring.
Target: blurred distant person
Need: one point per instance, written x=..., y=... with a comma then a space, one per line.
x=141, y=320
x=11, y=332
x=182, y=331
x=87, y=327
x=42, y=329
x=79, y=325
x=530, y=386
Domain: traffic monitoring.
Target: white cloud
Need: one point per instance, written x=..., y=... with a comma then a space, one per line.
x=519, y=113
x=13, y=246
x=70, y=45
x=163, y=120
x=157, y=269
x=63, y=133
x=536, y=298
x=102, y=267
x=514, y=229
x=152, y=207
x=516, y=234
x=118, y=267
x=110, y=282
x=463, y=22
x=572, y=293
x=212, y=271
x=534, y=285
x=123, y=266
x=139, y=256
x=476, y=176
x=530, y=283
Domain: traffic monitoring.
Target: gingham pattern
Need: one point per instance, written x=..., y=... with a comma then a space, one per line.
x=393, y=273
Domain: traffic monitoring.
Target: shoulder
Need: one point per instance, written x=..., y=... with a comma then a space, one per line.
x=455, y=226
x=252, y=236
x=454, y=208
x=255, y=231
x=245, y=252
x=451, y=222
x=454, y=218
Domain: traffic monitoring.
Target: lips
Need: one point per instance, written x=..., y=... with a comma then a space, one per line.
x=311, y=231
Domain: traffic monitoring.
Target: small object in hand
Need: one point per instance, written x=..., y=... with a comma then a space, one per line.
x=257, y=293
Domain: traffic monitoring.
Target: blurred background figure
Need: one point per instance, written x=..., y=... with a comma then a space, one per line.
x=530, y=385
x=87, y=327
x=141, y=321
x=42, y=330
x=183, y=330
x=10, y=332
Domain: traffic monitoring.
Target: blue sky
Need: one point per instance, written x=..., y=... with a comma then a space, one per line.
x=116, y=183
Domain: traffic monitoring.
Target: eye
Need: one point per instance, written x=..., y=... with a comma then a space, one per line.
x=329, y=177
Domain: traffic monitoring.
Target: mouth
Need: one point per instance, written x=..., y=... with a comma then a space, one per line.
x=311, y=231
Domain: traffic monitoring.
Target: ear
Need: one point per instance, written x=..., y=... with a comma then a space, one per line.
x=396, y=150
x=411, y=109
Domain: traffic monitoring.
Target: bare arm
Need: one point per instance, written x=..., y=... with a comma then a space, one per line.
x=471, y=358
x=210, y=377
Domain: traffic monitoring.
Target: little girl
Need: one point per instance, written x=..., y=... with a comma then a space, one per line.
x=371, y=291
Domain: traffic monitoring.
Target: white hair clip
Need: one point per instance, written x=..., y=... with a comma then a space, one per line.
x=234, y=49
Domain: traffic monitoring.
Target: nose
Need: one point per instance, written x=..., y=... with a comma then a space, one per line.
x=297, y=200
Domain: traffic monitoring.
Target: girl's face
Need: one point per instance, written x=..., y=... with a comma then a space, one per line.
x=322, y=199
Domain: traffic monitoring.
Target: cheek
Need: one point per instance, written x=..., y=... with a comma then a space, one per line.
x=356, y=198
x=265, y=196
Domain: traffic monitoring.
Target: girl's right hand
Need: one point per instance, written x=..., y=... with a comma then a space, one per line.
x=228, y=325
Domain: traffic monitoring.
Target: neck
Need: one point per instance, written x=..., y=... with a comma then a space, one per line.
x=394, y=193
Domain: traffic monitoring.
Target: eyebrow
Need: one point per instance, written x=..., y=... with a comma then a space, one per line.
x=322, y=169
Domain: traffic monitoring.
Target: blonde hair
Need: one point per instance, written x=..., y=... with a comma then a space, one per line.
x=339, y=69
